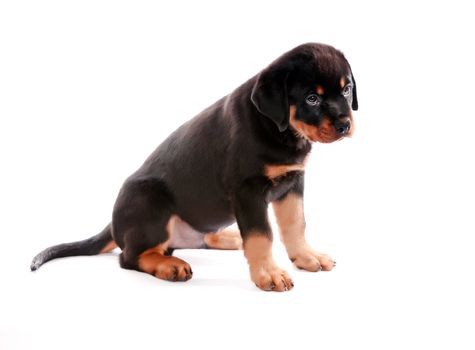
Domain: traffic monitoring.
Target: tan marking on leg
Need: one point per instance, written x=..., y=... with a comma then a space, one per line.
x=168, y=268
x=320, y=90
x=264, y=272
x=227, y=239
x=290, y=218
x=154, y=261
x=109, y=247
x=342, y=82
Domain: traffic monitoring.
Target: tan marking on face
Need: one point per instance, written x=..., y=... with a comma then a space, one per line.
x=109, y=247
x=228, y=239
x=154, y=261
x=325, y=133
x=264, y=272
x=320, y=90
x=290, y=218
x=342, y=82
x=292, y=111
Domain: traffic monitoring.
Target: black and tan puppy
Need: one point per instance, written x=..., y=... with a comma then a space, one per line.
x=226, y=165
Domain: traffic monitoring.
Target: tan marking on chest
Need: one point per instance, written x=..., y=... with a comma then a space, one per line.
x=274, y=171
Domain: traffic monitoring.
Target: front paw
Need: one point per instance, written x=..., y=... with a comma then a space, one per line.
x=310, y=260
x=270, y=277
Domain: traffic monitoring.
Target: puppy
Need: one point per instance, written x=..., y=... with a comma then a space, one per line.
x=226, y=165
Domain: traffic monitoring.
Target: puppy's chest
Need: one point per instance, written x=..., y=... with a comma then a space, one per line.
x=284, y=177
x=283, y=184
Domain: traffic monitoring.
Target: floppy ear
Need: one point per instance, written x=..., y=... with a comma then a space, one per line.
x=269, y=95
x=354, y=103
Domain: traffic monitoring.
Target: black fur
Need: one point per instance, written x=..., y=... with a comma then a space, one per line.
x=90, y=246
x=210, y=171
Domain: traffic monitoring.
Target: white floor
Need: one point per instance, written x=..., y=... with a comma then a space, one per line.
x=377, y=297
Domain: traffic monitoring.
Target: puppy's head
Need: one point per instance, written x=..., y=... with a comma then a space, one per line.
x=309, y=90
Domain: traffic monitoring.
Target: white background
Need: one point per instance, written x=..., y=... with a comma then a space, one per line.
x=88, y=89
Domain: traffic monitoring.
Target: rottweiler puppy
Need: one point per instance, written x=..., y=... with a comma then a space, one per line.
x=226, y=165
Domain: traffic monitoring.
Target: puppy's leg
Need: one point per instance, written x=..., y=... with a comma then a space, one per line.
x=155, y=262
x=228, y=239
x=251, y=213
x=291, y=221
x=142, y=226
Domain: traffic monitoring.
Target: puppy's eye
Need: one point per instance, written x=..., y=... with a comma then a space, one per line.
x=313, y=100
x=347, y=90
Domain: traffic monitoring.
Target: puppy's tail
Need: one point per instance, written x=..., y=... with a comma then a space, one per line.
x=100, y=243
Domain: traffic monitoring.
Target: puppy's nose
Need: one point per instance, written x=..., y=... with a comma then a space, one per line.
x=343, y=128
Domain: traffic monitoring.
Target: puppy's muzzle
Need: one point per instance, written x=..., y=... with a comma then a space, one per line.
x=343, y=127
